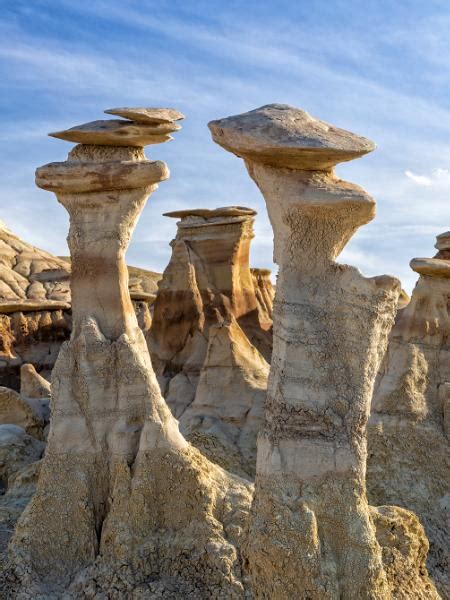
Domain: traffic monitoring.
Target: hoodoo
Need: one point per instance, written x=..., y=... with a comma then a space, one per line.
x=207, y=281
x=409, y=427
x=312, y=532
x=124, y=505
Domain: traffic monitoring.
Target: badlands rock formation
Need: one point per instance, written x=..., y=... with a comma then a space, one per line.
x=124, y=506
x=35, y=317
x=227, y=413
x=312, y=532
x=34, y=307
x=207, y=281
x=409, y=429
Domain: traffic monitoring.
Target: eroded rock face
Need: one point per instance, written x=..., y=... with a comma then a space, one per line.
x=227, y=413
x=409, y=428
x=312, y=533
x=207, y=281
x=35, y=305
x=124, y=505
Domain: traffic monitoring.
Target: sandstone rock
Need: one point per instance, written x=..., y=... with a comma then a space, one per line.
x=311, y=530
x=124, y=506
x=281, y=135
x=35, y=300
x=115, y=133
x=408, y=462
x=208, y=280
x=227, y=413
x=147, y=115
x=33, y=385
x=32, y=416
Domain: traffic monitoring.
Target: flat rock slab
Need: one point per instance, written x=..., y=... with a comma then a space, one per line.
x=433, y=267
x=12, y=306
x=118, y=133
x=76, y=177
x=284, y=136
x=225, y=211
x=147, y=115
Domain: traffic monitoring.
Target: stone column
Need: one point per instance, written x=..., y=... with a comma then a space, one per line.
x=311, y=534
x=208, y=280
x=113, y=514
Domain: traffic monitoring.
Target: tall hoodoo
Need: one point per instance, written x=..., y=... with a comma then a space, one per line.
x=207, y=281
x=311, y=533
x=114, y=510
x=409, y=427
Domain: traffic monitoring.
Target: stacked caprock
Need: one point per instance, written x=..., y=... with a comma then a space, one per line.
x=124, y=505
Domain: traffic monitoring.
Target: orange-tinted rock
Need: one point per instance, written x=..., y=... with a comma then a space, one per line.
x=208, y=280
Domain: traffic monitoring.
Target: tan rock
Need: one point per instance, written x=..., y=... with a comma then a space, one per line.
x=208, y=280
x=147, y=115
x=282, y=135
x=31, y=415
x=227, y=413
x=118, y=133
x=409, y=453
x=33, y=385
x=311, y=531
x=124, y=506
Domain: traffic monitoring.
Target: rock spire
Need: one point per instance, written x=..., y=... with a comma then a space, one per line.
x=312, y=533
x=124, y=505
x=409, y=427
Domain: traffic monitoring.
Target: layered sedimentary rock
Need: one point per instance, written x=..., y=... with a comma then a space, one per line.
x=34, y=307
x=409, y=428
x=35, y=316
x=207, y=281
x=124, y=505
x=227, y=413
x=312, y=533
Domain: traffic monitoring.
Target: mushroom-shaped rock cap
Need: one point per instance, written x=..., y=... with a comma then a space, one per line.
x=118, y=133
x=284, y=136
x=207, y=213
x=443, y=241
x=433, y=267
x=147, y=115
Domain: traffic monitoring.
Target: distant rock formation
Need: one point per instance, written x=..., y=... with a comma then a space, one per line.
x=409, y=428
x=35, y=315
x=124, y=506
x=207, y=281
x=312, y=533
x=227, y=413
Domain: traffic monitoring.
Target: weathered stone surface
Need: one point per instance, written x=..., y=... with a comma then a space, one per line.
x=93, y=177
x=207, y=281
x=35, y=300
x=311, y=533
x=147, y=115
x=409, y=454
x=30, y=414
x=20, y=456
x=227, y=413
x=431, y=267
x=284, y=136
x=118, y=133
x=124, y=506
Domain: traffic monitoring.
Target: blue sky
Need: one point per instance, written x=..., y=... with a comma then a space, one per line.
x=378, y=68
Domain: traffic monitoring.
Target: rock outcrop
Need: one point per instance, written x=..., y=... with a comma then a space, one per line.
x=207, y=281
x=312, y=533
x=409, y=428
x=124, y=506
x=227, y=413
x=35, y=315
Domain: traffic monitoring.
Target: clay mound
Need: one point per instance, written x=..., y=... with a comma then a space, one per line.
x=410, y=420
x=207, y=281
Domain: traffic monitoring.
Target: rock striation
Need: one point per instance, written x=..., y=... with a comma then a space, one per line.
x=124, y=506
x=312, y=533
x=208, y=281
x=409, y=427
x=35, y=305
